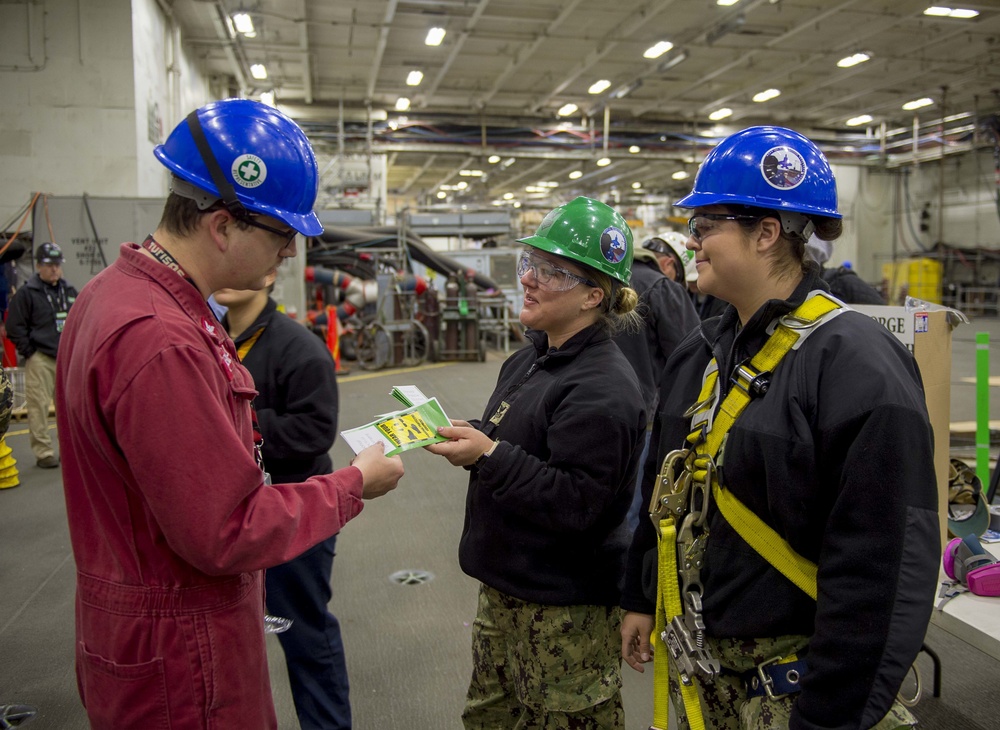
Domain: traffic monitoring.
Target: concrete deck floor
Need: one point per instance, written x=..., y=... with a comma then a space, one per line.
x=407, y=645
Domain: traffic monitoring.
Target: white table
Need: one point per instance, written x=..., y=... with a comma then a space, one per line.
x=973, y=619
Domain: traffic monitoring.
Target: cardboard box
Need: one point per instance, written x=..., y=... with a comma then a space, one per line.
x=928, y=336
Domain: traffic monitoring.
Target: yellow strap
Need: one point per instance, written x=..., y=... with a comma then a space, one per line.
x=754, y=531
x=244, y=348
x=668, y=605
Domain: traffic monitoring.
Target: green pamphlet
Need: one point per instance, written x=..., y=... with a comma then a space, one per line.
x=413, y=427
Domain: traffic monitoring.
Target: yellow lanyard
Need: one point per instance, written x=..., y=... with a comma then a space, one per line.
x=244, y=348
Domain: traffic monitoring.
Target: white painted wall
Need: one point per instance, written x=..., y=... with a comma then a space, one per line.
x=76, y=79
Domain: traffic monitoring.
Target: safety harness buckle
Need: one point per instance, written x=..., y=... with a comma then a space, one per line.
x=750, y=381
x=776, y=677
x=670, y=491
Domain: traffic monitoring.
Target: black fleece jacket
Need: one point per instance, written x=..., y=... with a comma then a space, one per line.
x=837, y=457
x=544, y=518
x=297, y=404
x=32, y=318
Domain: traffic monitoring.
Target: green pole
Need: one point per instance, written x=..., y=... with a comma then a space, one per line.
x=983, y=408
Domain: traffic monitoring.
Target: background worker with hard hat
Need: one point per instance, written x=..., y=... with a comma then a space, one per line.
x=675, y=261
x=795, y=474
x=552, y=465
x=172, y=515
x=35, y=323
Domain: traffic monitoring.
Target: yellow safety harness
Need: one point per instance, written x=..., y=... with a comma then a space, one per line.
x=687, y=482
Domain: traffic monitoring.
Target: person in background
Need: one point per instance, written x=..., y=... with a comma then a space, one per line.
x=844, y=283
x=667, y=316
x=774, y=445
x=673, y=259
x=296, y=406
x=172, y=516
x=552, y=468
x=35, y=323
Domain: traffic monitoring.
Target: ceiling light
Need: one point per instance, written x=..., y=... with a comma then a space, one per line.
x=634, y=149
x=636, y=185
x=599, y=86
x=414, y=77
x=681, y=175
x=517, y=203
x=434, y=36
x=493, y=159
x=854, y=60
x=442, y=195
x=939, y=11
x=720, y=114
x=566, y=109
x=508, y=196
x=509, y=161
x=534, y=189
x=766, y=95
x=258, y=71
x=657, y=50
x=858, y=121
x=267, y=97
x=575, y=175
x=604, y=161
x=461, y=185
x=471, y=173
x=917, y=104
x=243, y=23
x=402, y=104
x=726, y=3
x=669, y=63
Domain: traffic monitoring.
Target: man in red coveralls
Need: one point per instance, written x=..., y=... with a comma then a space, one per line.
x=171, y=513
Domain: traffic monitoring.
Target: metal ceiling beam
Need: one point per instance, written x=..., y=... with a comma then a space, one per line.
x=405, y=187
x=307, y=90
x=383, y=38
x=455, y=50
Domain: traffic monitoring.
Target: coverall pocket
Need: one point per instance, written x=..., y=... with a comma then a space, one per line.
x=123, y=696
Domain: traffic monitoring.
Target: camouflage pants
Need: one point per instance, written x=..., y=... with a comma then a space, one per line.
x=544, y=667
x=724, y=703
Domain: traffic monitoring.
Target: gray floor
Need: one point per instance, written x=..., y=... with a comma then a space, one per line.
x=408, y=645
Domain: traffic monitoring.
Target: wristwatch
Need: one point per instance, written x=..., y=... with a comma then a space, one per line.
x=478, y=463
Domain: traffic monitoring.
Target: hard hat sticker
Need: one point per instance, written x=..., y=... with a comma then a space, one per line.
x=783, y=168
x=249, y=171
x=614, y=245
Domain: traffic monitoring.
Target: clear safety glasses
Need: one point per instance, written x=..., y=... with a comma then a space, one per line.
x=702, y=224
x=547, y=275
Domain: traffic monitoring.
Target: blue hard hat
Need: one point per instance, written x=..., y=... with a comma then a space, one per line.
x=766, y=167
x=265, y=162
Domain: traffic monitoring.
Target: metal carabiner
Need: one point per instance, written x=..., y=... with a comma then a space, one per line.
x=670, y=491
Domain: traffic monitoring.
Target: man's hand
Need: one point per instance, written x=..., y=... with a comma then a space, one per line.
x=381, y=473
x=465, y=444
x=636, y=630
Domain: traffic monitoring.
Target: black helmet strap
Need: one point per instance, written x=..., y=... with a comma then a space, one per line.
x=226, y=189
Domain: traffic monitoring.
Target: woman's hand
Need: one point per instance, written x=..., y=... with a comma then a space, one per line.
x=465, y=444
x=636, y=630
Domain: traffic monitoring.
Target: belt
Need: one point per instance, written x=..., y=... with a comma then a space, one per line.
x=775, y=677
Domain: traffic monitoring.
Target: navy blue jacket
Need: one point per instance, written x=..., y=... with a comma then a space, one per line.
x=32, y=322
x=545, y=513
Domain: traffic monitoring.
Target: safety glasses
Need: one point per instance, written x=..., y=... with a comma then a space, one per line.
x=548, y=276
x=286, y=235
x=702, y=224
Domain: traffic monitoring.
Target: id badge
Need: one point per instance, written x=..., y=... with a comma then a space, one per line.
x=60, y=321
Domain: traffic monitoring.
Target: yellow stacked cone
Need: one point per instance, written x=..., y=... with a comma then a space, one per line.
x=8, y=466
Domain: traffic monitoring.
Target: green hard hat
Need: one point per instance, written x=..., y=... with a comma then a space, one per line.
x=590, y=232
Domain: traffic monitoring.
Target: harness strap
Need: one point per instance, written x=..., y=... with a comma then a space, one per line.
x=668, y=605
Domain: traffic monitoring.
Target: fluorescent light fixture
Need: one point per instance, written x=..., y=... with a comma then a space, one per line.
x=534, y=189
x=858, y=121
x=726, y=3
x=575, y=175
x=517, y=203
x=402, y=104
x=681, y=175
x=658, y=49
x=548, y=184
x=940, y=11
x=635, y=149
x=509, y=161
x=267, y=97
x=414, y=77
x=636, y=185
x=461, y=185
x=493, y=159
x=434, y=36
x=471, y=173
x=853, y=60
x=604, y=162
x=720, y=114
x=508, y=196
x=918, y=104
x=258, y=71
x=766, y=95
x=599, y=86
x=243, y=23
x=566, y=109
x=442, y=195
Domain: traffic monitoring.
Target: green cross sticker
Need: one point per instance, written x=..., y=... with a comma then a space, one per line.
x=248, y=171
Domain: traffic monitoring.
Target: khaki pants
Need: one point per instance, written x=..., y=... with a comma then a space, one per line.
x=39, y=389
